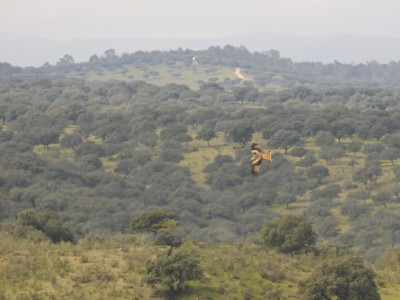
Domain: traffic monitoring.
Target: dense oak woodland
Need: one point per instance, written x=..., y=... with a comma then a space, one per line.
x=144, y=128
x=83, y=162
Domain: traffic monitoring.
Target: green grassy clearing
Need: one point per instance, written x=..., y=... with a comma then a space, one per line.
x=168, y=74
x=113, y=270
x=187, y=76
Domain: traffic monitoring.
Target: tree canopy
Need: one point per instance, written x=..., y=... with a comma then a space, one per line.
x=290, y=234
x=241, y=133
x=343, y=277
x=285, y=139
x=153, y=221
x=172, y=270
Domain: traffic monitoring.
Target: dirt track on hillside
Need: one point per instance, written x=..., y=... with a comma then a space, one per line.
x=237, y=73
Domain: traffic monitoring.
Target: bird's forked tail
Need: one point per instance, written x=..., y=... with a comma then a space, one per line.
x=267, y=156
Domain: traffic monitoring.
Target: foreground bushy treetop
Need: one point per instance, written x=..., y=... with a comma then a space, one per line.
x=47, y=222
x=343, y=277
x=172, y=270
x=290, y=234
x=152, y=221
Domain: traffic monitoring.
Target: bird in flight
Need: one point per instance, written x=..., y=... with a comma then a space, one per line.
x=258, y=157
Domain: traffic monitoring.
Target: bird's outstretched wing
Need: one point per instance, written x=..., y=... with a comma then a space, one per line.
x=255, y=167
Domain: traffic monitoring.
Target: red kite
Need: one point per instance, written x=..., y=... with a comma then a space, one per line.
x=258, y=157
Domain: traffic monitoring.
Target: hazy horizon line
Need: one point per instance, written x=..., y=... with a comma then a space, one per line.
x=198, y=38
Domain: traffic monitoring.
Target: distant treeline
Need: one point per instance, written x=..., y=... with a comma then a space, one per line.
x=266, y=67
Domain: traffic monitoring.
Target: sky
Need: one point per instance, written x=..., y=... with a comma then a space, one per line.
x=103, y=19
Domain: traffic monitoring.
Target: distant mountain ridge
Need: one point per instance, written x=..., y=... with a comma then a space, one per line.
x=34, y=51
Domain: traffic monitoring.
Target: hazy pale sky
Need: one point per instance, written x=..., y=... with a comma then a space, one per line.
x=68, y=19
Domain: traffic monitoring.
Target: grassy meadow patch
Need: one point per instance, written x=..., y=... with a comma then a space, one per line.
x=113, y=269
